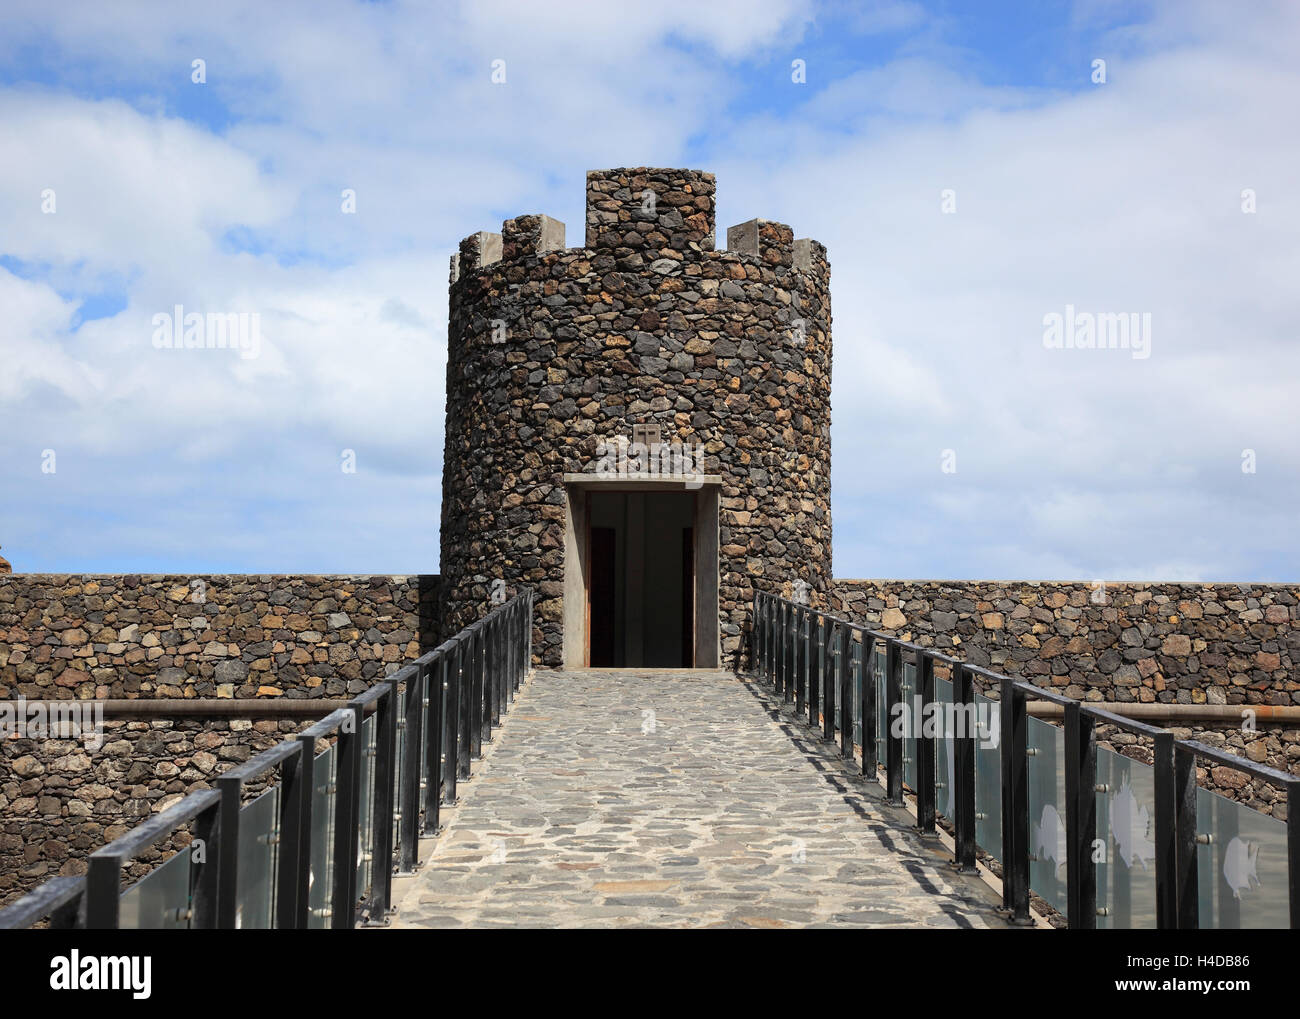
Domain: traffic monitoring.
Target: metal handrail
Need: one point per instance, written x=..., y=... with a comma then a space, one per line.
x=455, y=694
x=783, y=653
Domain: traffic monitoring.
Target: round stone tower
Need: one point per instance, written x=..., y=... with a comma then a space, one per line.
x=638, y=428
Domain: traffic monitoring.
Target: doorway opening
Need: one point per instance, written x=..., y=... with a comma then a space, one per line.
x=641, y=579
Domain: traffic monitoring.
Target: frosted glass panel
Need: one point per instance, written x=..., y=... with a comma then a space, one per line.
x=1242, y=872
x=161, y=899
x=1047, y=837
x=321, y=882
x=910, y=687
x=988, y=784
x=1126, y=826
x=945, y=768
x=259, y=835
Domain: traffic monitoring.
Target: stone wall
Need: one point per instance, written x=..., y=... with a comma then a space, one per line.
x=110, y=637
x=1232, y=644
x=215, y=636
x=553, y=349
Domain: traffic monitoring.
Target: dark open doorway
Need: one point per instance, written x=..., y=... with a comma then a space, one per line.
x=641, y=579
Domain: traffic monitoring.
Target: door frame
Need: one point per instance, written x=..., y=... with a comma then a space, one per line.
x=577, y=561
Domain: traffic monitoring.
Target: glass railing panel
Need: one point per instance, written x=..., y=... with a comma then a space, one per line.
x=882, y=721
x=945, y=748
x=908, y=689
x=161, y=899
x=855, y=690
x=259, y=838
x=1242, y=871
x=1047, y=838
x=1126, y=828
x=988, y=783
x=321, y=882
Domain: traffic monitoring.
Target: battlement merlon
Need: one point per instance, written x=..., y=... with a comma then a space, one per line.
x=476, y=251
x=654, y=212
x=810, y=257
x=531, y=235
x=775, y=244
x=770, y=241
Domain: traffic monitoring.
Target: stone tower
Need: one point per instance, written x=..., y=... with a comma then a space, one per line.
x=638, y=428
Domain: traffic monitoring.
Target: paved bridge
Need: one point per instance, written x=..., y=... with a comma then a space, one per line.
x=675, y=799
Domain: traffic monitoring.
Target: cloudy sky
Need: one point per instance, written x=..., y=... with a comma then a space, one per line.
x=968, y=170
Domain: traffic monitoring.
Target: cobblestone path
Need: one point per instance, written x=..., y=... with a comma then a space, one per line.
x=675, y=800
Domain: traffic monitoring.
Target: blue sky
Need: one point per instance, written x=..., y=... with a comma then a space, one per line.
x=963, y=446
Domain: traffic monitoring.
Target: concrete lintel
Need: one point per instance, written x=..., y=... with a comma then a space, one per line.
x=641, y=482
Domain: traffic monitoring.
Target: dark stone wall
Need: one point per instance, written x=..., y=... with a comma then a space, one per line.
x=553, y=349
x=68, y=636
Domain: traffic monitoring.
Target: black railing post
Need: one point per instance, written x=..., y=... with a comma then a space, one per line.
x=226, y=917
x=1013, y=713
x=496, y=657
x=1166, y=845
x=465, y=715
x=848, y=676
x=103, y=891
x=778, y=643
x=816, y=669
x=505, y=629
x=487, y=635
x=413, y=758
x=787, y=656
x=867, y=706
x=830, y=689
x=806, y=654
x=925, y=778
x=800, y=656
x=435, y=725
x=893, y=739
x=963, y=689
x=1187, y=892
x=1081, y=818
x=516, y=649
x=347, y=801
x=452, y=658
x=475, y=656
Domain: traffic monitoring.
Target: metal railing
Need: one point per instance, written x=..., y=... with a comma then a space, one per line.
x=818, y=661
x=320, y=846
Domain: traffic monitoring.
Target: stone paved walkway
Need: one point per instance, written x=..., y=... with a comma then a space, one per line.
x=675, y=800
